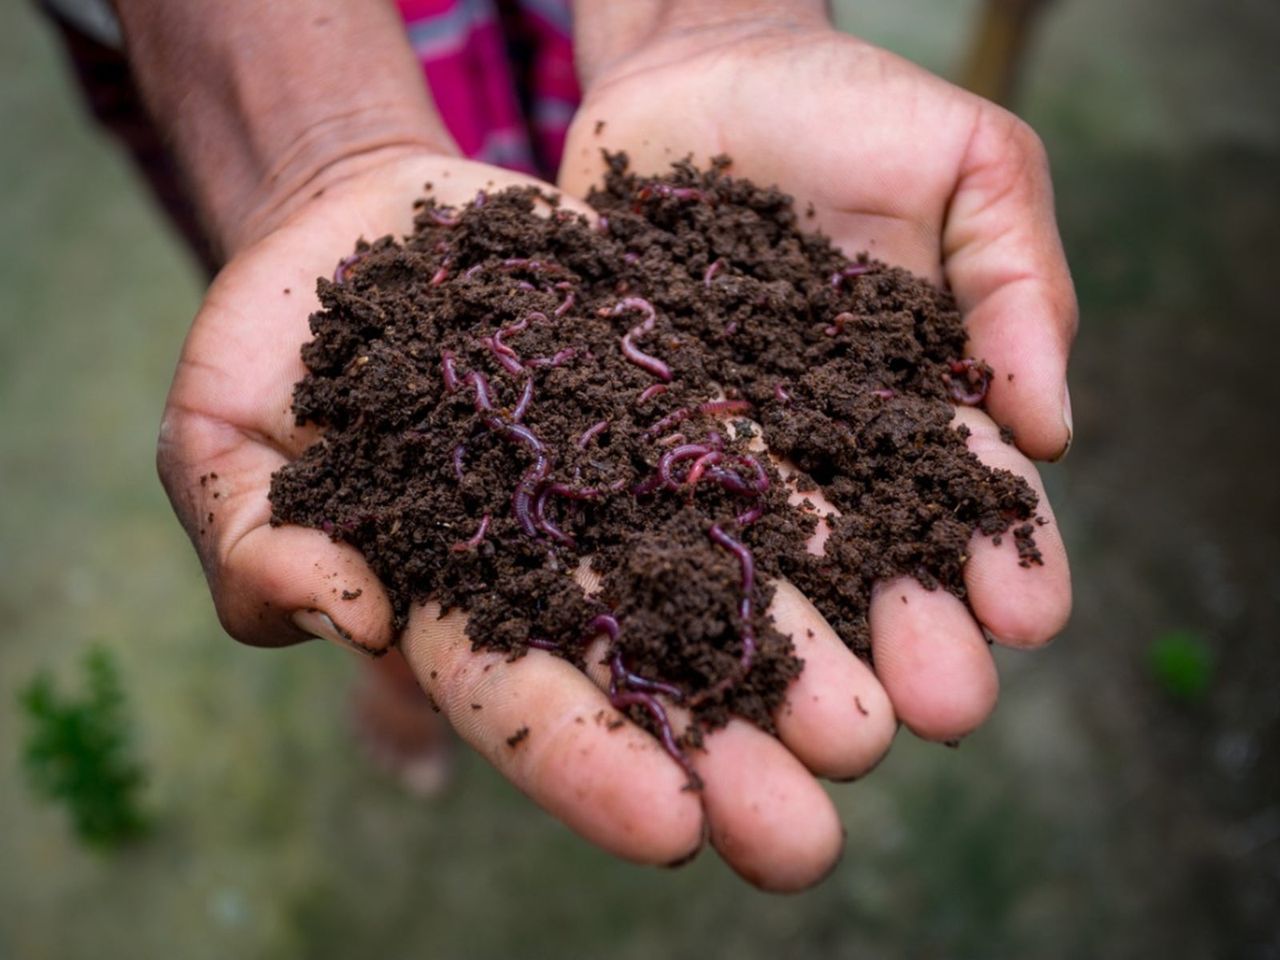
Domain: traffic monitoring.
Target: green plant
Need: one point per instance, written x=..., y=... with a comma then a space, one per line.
x=78, y=753
x=1182, y=663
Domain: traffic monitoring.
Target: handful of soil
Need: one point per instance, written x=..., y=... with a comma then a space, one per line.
x=508, y=394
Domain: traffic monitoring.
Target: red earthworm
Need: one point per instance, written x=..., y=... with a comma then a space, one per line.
x=525, y=285
x=591, y=433
x=603, y=623
x=750, y=515
x=522, y=499
x=627, y=698
x=708, y=459
x=746, y=629
x=688, y=451
x=565, y=306
x=449, y=370
x=715, y=267
x=506, y=357
x=852, y=270
x=651, y=391
x=670, y=438
x=476, y=538
x=838, y=322
x=545, y=523
x=472, y=271
x=781, y=393
x=442, y=218
x=972, y=390
x=629, y=349
x=345, y=264
x=559, y=358
x=620, y=676
x=542, y=643
x=884, y=393
x=713, y=407
x=526, y=398
x=666, y=190
x=440, y=275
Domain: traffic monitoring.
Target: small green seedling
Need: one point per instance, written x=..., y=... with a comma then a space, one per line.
x=77, y=753
x=1182, y=663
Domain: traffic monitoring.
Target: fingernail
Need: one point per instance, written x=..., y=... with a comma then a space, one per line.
x=321, y=625
x=1066, y=420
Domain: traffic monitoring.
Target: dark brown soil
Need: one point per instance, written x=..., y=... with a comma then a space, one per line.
x=850, y=371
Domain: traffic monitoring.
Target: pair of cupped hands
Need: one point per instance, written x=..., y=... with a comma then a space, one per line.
x=894, y=161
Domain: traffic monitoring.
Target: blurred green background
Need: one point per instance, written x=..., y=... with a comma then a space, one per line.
x=1123, y=802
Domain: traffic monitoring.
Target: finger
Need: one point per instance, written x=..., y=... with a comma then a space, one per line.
x=932, y=659
x=549, y=730
x=1004, y=260
x=769, y=819
x=1022, y=606
x=271, y=586
x=837, y=718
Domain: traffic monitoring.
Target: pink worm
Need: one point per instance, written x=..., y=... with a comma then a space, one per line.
x=591, y=433
x=345, y=264
x=973, y=389
x=476, y=538
x=629, y=349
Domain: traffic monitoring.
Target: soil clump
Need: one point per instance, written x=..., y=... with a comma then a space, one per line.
x=513, y=391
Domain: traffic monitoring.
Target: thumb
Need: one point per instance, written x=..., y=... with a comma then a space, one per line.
x=1005, y=263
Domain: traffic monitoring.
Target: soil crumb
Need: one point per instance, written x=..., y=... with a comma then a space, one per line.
x=513, y=388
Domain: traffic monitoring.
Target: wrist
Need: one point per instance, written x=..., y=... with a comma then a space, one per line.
x=609, y=35
x=265, y=105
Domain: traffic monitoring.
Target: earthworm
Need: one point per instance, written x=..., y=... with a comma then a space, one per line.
x=621, y=699
x=710, y=458
x=565, y=306
x=545, y=523
x=603, y=623
x=629, y=349
x=852, y=270
x=522, y=499
x=542, y=643
x=666, y=190
x=838, y=322
x=449, y=370
x=781, y=393
x=746, y=630
x=715, y=267
x=687, y=451
x=591, y=433
x=476, y=538
x=622, y=677
x=884, y=393
x=459, y=452
x=972, y=390
x=561, y=356
x=526, y=398
x=505, y=356
x=441, y=275
x=345, y=264
x=441, y=218
x=472, y=271
x=651, y=391
x=713, y=407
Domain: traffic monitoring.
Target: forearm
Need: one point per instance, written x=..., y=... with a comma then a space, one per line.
x=606, y=32
x=266, y=103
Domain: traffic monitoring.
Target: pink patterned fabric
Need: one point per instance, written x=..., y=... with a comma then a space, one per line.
x=501, y=73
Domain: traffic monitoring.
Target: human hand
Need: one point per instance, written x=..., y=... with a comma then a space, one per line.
x=923, y=175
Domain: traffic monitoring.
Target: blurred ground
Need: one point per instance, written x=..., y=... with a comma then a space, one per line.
x=1094, y=816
